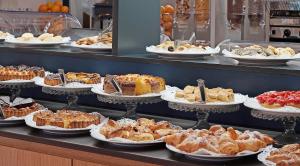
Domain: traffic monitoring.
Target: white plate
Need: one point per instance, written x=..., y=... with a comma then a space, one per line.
x=263, y=155
x=70, y=86
x=258, y=58
x=205, y=155
x=58, y=130
x=95, y=133
x=170, y=97
x=95, y=47
x=13, y=40
x=254, y=104
x=193, y=51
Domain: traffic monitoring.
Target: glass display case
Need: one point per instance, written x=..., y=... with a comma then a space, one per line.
x=19, y=22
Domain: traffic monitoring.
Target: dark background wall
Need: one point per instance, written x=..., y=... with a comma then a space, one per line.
x=251, y=83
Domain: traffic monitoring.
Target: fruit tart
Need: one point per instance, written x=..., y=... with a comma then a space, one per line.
x=278, y=99
x=80, y=77
x=21, y=72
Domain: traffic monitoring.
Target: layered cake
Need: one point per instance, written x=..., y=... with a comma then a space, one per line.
x=85, y=78
x=21, y=72
x=280, y=99
x=135, y=84
x=65, y=119
x=20, y=110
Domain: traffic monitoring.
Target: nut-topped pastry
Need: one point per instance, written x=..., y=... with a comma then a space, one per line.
x=135, y=84
x=84, y=78
x=66, y=119
x=21, y=72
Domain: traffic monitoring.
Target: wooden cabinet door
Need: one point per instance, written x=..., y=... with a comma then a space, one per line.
x=17, y=157
x=84, y=163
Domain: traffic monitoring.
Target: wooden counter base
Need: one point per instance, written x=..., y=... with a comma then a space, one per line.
x=16, y=152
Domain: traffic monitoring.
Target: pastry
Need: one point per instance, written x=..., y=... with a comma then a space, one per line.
x=279, y=99
x=45, y=37
x=3, y=35
x=218, y=140
x=135, y=84
x=257, y=50
x=288, y=155
x=53, y=79
x=169, y=46
x=65, y=119
x=21, y=72
x=192, y=94
x=106, y=38
x=20, y=110
x=84, y=78
x=141, y=130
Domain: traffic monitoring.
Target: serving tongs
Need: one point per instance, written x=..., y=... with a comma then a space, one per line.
x=62, y=75
x=108, y=29
x=201, y=86
x=116, y=85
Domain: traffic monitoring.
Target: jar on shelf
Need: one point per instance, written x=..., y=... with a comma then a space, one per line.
x=202, y=14
x=166, y=19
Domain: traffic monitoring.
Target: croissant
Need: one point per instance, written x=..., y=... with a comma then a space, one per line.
x=217, y=130
x=232, y=133
x=175, y=139
x=230, y=148
x=192, y=144
x=119, y=133
x=251, y=144
x=140, y=137
x=278, y=157
x=263, y=137
x=289, y=163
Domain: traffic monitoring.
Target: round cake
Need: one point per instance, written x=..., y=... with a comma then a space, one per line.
x=84, y=78
x=52, y=80
x=279, y=99
x=135, y=84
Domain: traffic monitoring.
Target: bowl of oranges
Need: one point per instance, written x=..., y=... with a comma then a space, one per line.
x=53, y=6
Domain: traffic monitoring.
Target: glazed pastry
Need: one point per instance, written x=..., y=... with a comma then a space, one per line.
x=65, y=119
x=288, y=155
x=135, y=84
x=192, y=94
x=218, y=140
x=279, y=99
x=21, y=72
x=141, y=130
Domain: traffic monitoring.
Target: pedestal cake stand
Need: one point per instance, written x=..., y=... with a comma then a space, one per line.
x=131, y=102
x=15, y=87
x=288, y=116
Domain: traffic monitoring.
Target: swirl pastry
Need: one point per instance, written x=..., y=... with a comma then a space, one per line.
x=288, y=155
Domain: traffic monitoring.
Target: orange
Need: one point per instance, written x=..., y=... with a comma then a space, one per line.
x=169, y=9
x=43, y=8
x=58, y=3
x=162, y=9
x=56, y=8
x=49, y=4
x=167, y=18
x=65, y=9
x=168, y=26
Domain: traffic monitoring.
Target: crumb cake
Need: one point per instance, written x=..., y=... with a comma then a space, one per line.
x=65, y=119
x=279, y=99
x=21, y=72
x=20, y=110
x=135, y=84
x=85, y=78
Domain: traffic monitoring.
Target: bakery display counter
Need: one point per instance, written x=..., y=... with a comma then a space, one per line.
x=37, y=147
x=214, y=62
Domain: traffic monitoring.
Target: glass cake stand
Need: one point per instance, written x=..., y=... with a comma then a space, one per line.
x=72, y=94
x=16, y=86
x=288, y=121
x=203, y=111
x=131, y=102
